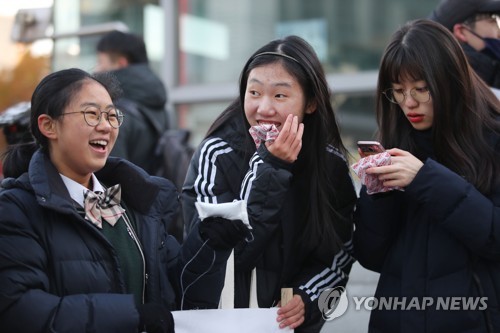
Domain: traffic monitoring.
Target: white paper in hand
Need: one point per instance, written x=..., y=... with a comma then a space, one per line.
x=236, y=210
x=228, y=321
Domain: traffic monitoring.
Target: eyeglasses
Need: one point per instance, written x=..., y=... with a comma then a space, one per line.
x=93, y=116
x=490, y=18
x=398, y=96
x=494, y=19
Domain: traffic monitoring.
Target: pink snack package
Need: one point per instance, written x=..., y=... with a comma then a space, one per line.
x=263, y=133
x=373, y=185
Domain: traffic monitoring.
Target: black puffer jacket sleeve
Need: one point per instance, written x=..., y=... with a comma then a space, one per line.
x=460, y=208
x=265, y=187
x=377, y=218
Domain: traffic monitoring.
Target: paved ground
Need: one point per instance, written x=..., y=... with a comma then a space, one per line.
x=362, y=282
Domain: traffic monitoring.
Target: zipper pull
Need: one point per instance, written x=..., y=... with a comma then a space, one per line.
x=130, y=233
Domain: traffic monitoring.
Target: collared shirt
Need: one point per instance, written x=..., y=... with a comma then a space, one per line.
x=77, y=190
x=121, y=237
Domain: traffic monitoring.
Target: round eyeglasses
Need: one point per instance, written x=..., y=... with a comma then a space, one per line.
x=489, y=18
x=93, y=116
x=398, y=96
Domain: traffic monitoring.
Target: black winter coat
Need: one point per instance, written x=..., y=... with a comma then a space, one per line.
x=144, y=106
x=276, y=204
x=484, y=64
x=439, y=238
x=58, y=273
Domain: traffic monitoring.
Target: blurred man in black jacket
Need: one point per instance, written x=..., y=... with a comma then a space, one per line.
x=144, y=96
x=475, y=23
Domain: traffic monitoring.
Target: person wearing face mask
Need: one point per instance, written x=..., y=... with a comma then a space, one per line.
x=475, y=23
x=435, y=240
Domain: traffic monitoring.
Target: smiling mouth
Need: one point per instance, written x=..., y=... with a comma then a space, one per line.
x=264, y=123
x=99, y=144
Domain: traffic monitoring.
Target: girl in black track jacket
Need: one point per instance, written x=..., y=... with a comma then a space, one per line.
x=298, y=190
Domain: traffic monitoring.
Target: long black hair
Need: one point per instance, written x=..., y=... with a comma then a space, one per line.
x=466, y=112
x=321, y=130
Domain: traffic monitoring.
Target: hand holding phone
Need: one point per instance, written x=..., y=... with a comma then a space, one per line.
x=366, y=148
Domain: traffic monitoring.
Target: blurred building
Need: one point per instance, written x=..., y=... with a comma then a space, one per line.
x=199, y=46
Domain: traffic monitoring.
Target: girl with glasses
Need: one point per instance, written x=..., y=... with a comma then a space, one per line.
x=83, y=236
x=439, y=237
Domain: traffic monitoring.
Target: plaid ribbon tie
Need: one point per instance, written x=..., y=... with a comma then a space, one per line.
x=103, y=206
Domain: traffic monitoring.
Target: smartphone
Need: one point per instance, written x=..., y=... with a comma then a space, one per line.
x=370, y=147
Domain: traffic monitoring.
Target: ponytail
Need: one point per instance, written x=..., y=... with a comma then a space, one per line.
x=16, y=159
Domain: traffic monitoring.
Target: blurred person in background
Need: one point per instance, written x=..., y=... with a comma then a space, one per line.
x=144, y=96
x=475, y=23
x=14, y=129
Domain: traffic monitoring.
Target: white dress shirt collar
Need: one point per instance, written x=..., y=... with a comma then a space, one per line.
x=77, y=190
